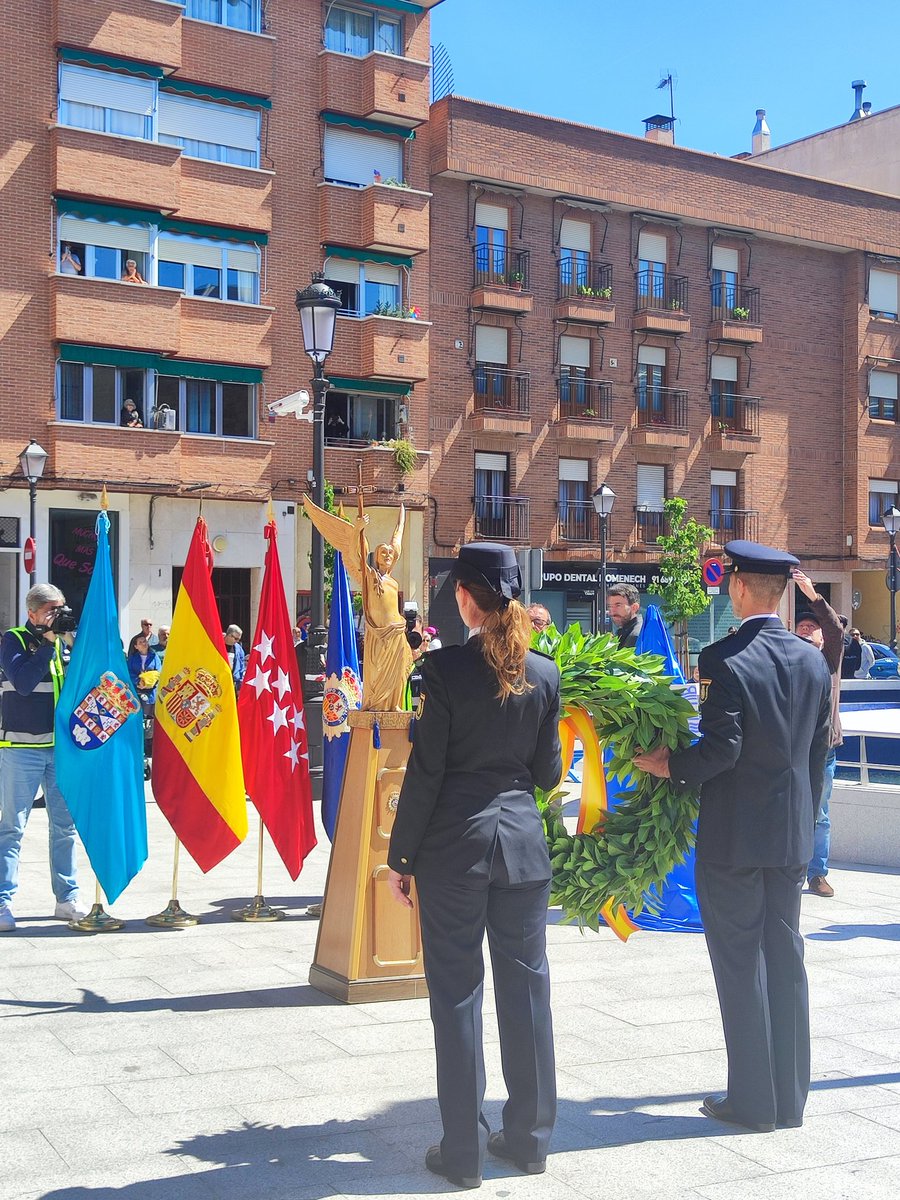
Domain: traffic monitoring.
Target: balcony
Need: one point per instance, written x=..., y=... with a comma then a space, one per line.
x=502, y=518
x=577, y=522
x=379, y=86
x=730, y=524
x=585, y=408
x=502, y=399
x=734, y=423
x=220, y=331
x=650, y=523
x=661, y=302
x=500, y=279
x=380, y=348
x=143, y=23
x=661, y=417
x=227, y=57
x=239, y=197
x=379, y=468
x=735, y=314
x=374, y=218
x=108, y=313
x=584, y=292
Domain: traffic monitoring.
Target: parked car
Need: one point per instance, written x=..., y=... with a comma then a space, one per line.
x=886, y=664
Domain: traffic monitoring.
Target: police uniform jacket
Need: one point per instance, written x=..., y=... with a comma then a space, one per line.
x=473, y=769
x=762, y=691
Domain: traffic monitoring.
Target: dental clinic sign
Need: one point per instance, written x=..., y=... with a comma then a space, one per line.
x=586, y=575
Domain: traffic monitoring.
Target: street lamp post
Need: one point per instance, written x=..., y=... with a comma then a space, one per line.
x=317, y=306
x=604, y=498
x=32, y=460
x=891, y=522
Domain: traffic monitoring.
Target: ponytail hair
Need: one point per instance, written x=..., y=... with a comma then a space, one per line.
x=505, y=638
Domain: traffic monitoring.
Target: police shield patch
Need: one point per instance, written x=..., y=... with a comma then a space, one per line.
x=704, y=689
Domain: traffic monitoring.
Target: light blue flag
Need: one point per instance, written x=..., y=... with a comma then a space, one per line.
x=655, y=638
x=343, y=691
x=100, y=738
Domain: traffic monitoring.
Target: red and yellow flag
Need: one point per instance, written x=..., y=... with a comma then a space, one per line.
x=197, y=778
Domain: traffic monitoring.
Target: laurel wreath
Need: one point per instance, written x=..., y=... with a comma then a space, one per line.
x=633, y=707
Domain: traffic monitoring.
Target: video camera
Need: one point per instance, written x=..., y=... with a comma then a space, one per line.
x=63, y=620
x=411, y=616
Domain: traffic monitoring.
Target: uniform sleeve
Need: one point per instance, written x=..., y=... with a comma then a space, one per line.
x=25, y=669
x=424, y=773
x=720, y=726
x=546, y=766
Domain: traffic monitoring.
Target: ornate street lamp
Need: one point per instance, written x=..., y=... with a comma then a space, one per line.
x=891, y=522
x=32, y=460
x=604, y=498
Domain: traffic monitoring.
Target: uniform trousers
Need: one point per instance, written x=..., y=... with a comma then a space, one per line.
x=751, y=918
x=454, y=915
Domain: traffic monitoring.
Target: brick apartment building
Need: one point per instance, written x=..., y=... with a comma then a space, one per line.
x=537, y=306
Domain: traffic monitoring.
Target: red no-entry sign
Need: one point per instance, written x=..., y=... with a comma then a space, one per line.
x=713, y=571
x=29, y=554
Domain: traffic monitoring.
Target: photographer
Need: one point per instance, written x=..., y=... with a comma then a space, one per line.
x=31, y=678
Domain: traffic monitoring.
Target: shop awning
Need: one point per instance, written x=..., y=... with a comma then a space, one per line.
x=384, y=127
x=373, y=256
x=203, y=91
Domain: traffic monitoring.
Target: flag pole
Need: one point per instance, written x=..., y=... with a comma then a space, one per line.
x=258, y=909
x=173, y=915
x=97, y=920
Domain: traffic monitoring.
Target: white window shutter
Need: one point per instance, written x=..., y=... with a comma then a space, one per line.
x=883, y=384
x=724, y=259
x=883, y=291
x=574, y=468
x=193, y=252
x=493, y=216
x=491, y=345
x=380, y=273
x=574, y=351
x=723, y=478
x=575, y=235
x=652, y=356
x=723, y=366
x=100, y=233
x=885, y=487
x=341, y=270
x=490, y=462
x=354, y=157
x=653, y=247
x=651, y=487
x=107, y=89
x=244, y=260
x=203, y=121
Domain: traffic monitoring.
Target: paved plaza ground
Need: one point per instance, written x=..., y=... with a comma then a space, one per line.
x=200, y=1065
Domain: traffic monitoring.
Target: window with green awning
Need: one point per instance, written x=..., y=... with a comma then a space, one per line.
x=373, y=256
x=203, y=91
x=110, y=62
x=179, y=367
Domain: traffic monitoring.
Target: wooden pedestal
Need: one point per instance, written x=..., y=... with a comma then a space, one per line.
x=369, y=947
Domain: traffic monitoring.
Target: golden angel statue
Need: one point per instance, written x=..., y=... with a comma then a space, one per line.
x=387, y=658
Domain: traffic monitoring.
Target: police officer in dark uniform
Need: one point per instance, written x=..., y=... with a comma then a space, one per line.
x=765, y=720
x=467, y=828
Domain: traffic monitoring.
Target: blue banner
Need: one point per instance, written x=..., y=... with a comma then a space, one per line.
x=100, y=738
x=343, y=692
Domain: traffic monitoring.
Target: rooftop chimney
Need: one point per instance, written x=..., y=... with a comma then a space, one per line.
x=860, y=110
x=660, y=128
x=762, y=135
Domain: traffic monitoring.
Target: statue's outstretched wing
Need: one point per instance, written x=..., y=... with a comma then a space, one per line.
x=340, y=534
x=397, y=539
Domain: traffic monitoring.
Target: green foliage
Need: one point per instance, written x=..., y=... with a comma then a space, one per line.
x=633, y=708
x=681, y=586
x=740, y=314
x=405, y=454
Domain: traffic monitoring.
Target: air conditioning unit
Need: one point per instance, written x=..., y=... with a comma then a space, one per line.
x=165, y=417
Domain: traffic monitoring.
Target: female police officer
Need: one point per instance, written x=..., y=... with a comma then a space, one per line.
x=468, y=829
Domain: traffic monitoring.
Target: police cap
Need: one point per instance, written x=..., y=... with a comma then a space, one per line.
x=490, y=564
x=759, y=560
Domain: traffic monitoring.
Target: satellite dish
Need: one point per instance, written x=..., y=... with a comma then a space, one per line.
x=856, y=599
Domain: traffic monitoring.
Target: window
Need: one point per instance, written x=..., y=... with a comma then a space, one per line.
x=650, y=380
x=99, y=249
x=652, y=257
x=95, y=395
x=491, y=242
x=106, y=102
x=883, y=294
x=360, y=417
x=358, y=159
x=574, y=371
x=723, y=503
x=213, y=270
x=492, y=494
x=358, y=32
x=882, y=494
x=725, y=270
x=366, y=289
x=882, y=396
x=723, y=399
x=208, y=407
x=575, y=504
x=574, y=255
x=651, y=492
x=216, y=132
x=236, y=14
x=492, y=379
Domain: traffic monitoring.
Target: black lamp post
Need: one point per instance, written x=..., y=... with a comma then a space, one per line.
x=891, y=522
x=32, y=460
x=318, y=306
x=604, y=498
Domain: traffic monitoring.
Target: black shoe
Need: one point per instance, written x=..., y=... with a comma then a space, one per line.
x=719, y=1108
x=790, y=1123
x=435, y=1163
x=497, y=1146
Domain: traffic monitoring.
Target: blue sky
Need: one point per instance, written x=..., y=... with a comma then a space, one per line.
x=599, y=61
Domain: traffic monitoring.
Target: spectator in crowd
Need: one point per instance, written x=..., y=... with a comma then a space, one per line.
x=69, y=262
x=130, y=417
x=539, y=616
x=131, y=274
x=237, y=658
x=852, y=659
x=624, y=603
x=867, y=655
x=161, y=643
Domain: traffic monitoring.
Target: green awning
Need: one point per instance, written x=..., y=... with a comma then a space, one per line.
x=374, y=256
x=204, y=91
x=399, y=131
x=149, y=216
x=385, y=388
x=398, y=5
x=106, y=356
x=112, y=62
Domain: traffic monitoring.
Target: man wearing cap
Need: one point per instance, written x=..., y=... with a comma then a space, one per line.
x=765, y=721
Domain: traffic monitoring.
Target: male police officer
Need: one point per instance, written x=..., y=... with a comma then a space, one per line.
x=31, y=677
x=765, y=709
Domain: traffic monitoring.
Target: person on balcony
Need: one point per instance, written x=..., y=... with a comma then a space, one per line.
x=130, y=417
x=131, y=273
x=69, y=263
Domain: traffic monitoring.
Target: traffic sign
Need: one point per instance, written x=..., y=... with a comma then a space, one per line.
x=29, y=555
x=713, y=572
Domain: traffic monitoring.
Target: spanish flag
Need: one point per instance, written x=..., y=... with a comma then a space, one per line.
x=197, y=778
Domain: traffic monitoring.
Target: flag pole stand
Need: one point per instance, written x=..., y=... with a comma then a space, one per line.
x=173, y=915
x=97, y=920
x=369, y=947
x=258, y=909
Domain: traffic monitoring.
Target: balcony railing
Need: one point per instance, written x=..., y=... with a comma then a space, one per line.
x=729, y=524
x=504, y=517
x=499, y=389
x=580, y=397
x=650, y=523
x=584, y=277
x=732, y=302
x=578, y=521
x=661, y=406
x=500, y=266
x=659, y=291
x=732, y=413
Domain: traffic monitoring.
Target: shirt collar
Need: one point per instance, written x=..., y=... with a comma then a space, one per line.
x=761, y=617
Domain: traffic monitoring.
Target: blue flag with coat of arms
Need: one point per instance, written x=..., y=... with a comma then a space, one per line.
x=343, y=692
x=100, y=737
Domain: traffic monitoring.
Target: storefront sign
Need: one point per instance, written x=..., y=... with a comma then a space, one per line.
x=566, y=575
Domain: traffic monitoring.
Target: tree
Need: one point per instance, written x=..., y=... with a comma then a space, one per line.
x=681, y=583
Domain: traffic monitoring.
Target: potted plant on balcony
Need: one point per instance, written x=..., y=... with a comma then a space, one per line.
x=584, y=290
x=405, y=455
x=740, y=314
x=604, y=293
x=676, y=305
x=516, y=280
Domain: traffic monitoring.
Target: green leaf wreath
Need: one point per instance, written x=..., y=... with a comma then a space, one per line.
x=633, y=707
